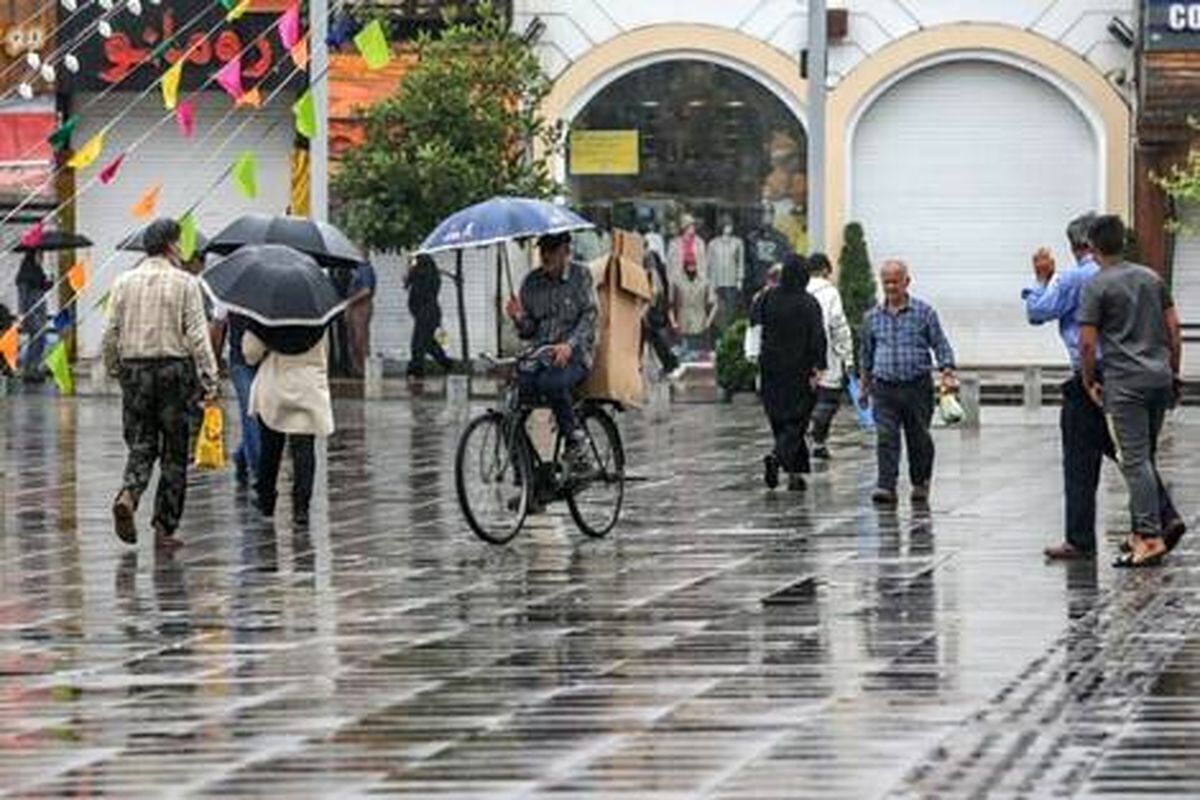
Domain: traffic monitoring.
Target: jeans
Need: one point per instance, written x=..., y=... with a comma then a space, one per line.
x=906, y=407
x=828, y=402
x=35, y=319
x=304, y=463
x=555, y=385
x=1135, y=417
x=249, y=449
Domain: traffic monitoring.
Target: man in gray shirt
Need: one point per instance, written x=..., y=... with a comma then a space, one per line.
x=1128, y=311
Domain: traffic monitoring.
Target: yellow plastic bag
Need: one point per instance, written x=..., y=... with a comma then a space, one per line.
x=210, y=444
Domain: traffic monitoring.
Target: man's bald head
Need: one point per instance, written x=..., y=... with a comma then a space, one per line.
x=894, y=278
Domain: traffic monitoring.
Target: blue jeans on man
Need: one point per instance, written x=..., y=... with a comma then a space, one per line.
x=555, y=385
x=247, y=454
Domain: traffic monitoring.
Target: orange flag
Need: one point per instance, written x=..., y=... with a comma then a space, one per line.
x=300, y=53
x=8, y=347
x=77, y=277
x=144, y=207
x=251, y=98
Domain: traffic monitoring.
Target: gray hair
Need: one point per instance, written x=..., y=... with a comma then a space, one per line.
x=894, y=262
x=1077, y=231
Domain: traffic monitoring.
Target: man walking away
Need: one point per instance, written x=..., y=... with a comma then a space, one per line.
x=1127, y=311
x=424, y=284
x=157, y=343
x=793, y=351
x=898, y=336
x=32, y=285
x=839, y=355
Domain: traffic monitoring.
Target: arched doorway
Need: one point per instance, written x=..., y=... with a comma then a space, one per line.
x=690, y=137
x=964, y=168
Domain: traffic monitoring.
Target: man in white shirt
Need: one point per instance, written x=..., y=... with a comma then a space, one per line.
x=840, y=355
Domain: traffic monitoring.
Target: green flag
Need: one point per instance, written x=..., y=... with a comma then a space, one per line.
x=306, y=115
x=59, y=365
x=245, y=175
x=372, y=43
x=61, y=138
x=187, y=237
x=103, y=301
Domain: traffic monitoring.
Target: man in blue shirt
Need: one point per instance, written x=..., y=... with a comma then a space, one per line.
x=899, y=336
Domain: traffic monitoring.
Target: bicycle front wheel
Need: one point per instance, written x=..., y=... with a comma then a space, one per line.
x=595, y=502
x=492, y=474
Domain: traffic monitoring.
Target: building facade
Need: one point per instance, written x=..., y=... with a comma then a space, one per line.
x=962, y=135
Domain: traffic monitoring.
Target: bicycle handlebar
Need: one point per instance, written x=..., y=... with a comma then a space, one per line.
x=512, y=361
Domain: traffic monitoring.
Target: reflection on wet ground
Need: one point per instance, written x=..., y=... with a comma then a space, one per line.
x=722, y=643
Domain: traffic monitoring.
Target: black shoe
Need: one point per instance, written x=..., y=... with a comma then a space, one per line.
x=920, y=494
x=771, y=471
x=300, y=516
x=796, y=483
x=265, y=507
x=884, y=497
x=123, y=511
x=821, y=452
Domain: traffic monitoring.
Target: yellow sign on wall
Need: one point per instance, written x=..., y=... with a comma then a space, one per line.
x=604, y=153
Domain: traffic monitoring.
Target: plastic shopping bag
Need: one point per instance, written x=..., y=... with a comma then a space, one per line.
x=951, y=410
x=210, y=444
x=866, y=418
x=752, y=344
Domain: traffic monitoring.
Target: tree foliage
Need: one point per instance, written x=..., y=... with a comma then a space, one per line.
x=1182, y=183
x=856, y=279
x=464, y=126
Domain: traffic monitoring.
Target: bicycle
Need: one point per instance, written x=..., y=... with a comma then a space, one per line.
x=500, y=476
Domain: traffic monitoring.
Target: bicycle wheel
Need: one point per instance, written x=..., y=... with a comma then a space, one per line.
x=492, y=476
x=595, y=502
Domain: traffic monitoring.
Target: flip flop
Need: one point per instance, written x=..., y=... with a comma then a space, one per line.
x=1128, y=561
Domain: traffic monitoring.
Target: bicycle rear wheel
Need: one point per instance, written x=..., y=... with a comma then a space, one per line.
x=493, y=478
x=596, y=501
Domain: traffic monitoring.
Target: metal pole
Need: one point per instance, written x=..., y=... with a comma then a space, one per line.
x=818, y=51
x=318, y=69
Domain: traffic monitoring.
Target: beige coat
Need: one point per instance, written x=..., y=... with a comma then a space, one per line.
x=290, y=394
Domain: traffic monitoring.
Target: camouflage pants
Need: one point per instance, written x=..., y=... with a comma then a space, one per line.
x=157, y=396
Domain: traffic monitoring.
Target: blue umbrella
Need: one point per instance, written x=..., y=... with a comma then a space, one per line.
x=499, y=220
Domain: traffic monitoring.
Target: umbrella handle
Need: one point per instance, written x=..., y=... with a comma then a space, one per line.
x=507, y=270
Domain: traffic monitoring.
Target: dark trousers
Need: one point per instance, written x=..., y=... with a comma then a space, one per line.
x=425, y=343
x=554, y=385
x=656, y=337
x=828, y=402
x=156, y=397
x=304, y=466
x=1085, y=443
x=788, y=404
x=903, y=408
x=35, y=315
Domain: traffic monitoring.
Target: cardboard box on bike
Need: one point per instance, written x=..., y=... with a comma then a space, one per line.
x=623, y=293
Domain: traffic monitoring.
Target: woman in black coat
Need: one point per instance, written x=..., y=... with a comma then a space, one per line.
x=424, y=284
x=793, y=353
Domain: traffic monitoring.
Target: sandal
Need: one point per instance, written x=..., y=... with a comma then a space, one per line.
x=1130, y=560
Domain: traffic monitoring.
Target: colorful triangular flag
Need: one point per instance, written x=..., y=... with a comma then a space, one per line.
x=187, y=237
x=341, y=30
x=289, y=26
x=170, y=85
x=87, y=155
x=63, y=320
x=147, y=203
x=110, y=170
x=300, y=54
x=373, y=45
x=61, y=137
x=59, y=365
x=251, y=98
x=33, y=237
x=306, y=115
x=77, y=277
x=230, y=77
x=238, y=11
x=185, y=117
x=229, y=4
x=103, y=301
x=9, y=344
x=245, y=175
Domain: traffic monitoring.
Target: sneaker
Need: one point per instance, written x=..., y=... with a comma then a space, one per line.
x=821, y=452
x=796, y=483
x=123, y=521
x=771, y=471
x=884, y=497
x=920, y=493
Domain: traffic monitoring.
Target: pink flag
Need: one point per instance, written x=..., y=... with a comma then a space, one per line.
x=33, y=237
x=185, y=115
x=230, y=77
x=109, y=172
x=289, y=26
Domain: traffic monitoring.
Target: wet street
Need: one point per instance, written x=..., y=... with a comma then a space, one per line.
x=723, y=642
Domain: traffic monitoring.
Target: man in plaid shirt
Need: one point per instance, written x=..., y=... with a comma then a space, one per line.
x=901, y=337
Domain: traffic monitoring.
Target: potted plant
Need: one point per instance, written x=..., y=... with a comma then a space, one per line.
x=734, y=373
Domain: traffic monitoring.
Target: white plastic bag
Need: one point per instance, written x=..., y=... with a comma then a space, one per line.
x=752, y=345
x=951, y=410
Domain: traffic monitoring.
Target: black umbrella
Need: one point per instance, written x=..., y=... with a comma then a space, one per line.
x=325, y=243
x=136, y=243
x=56, y=240
x=275, y=286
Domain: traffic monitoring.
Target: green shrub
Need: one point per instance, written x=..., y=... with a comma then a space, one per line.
x=734, y=372
x=856, y=279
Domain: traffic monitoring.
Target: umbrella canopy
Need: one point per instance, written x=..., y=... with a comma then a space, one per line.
x=136, y=243
x=274, y=286
x=328, y=246
x=499, y=220
x=56, y=240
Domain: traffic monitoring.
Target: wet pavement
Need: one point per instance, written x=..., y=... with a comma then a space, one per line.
x=722, y=642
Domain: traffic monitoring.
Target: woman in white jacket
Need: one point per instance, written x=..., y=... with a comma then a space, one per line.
x=290, y=397
x=840, y=356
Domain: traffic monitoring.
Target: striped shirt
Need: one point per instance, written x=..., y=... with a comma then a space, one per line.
x=897, y=344
x=156, y=310
x=561, y=310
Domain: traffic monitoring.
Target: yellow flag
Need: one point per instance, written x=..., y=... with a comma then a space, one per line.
x=144, y=207
x=170, y=85
x=238, y=11
x=77, y=277
x=252, y=98
x=87, y=154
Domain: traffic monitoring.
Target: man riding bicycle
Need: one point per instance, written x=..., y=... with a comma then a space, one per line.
x=556, y=312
